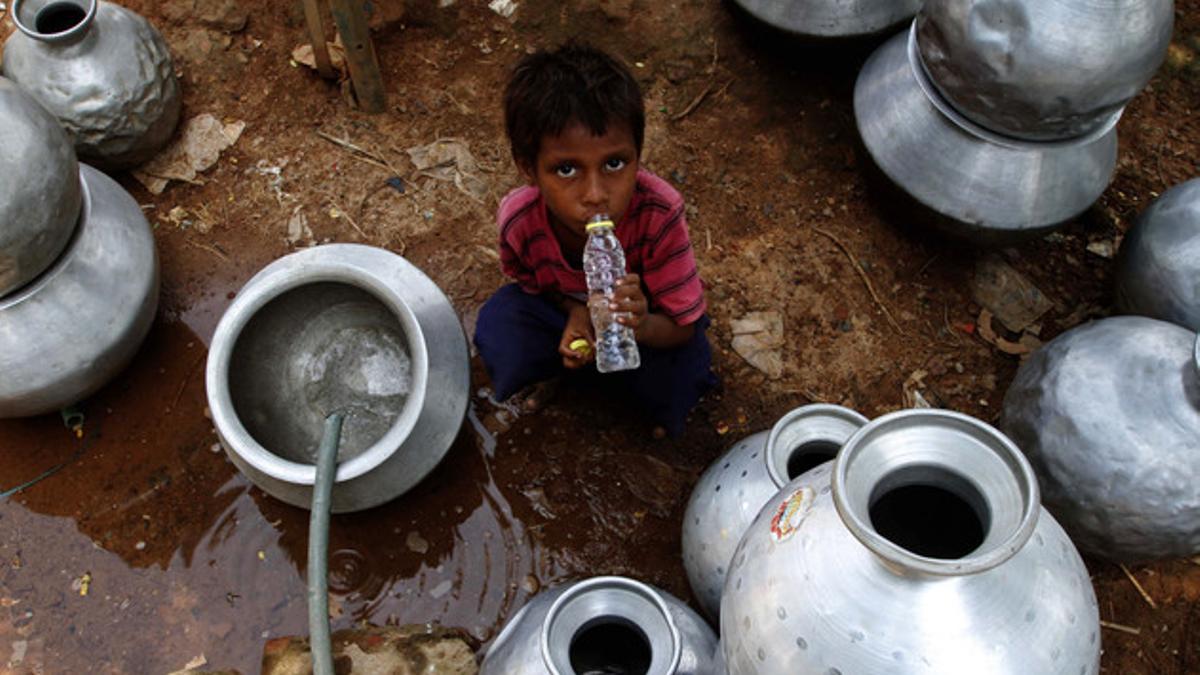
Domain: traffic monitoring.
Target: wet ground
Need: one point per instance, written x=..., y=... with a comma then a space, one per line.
x=146, y=548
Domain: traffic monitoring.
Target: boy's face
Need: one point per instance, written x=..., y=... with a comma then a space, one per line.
x=581, y=174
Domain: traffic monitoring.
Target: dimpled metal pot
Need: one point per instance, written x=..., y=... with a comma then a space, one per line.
x=1109, y=415
x=993, y=190
x=74, y=327
x=103, y=70
x=341, y=327
x=1158, y=269
x=921, y=549
x=40, y=193
x=603, y=626
x=1043, y=69
x=831, y=18
x=732, y=490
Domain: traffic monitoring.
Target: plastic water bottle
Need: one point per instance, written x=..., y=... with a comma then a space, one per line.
x=604, y=265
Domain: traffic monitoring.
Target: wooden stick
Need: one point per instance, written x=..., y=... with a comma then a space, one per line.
x=316, y=36
x=183, y=385
x=361, y=154
x=694, y=104
x=1145, y=596
x=863, y=274
x=351, y=24
x=211, y=249
x=1121, y=627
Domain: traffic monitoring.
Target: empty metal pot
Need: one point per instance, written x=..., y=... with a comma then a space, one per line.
x=603, y=625
x=1043, y=69
x=40, y=193
x=921, y=549
x=732, y=489
x=831, y=18
x=103, y=70
x=1158, y=269
x=1109, y=415
x=994, y=189
x=348, y=328
x=75, y=326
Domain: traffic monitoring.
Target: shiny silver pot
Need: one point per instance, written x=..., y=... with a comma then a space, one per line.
x=1158, y=269
x=732, y=490
x=921, y=549
x=1043, y=69
x=603, y=625
x=1109, y=415
x=994, y=189
x=348, y=328
x=74, y=327
x=40, y=193
x=103, y=70
x=831, y=18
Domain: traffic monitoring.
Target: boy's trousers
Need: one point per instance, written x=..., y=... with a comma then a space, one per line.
x=518, y=333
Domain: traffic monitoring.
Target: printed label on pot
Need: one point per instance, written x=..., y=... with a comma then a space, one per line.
x=791, y=513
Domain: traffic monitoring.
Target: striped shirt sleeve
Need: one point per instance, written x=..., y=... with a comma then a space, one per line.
x=669, y=270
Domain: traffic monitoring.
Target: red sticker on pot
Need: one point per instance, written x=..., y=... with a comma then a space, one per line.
x=791, y=513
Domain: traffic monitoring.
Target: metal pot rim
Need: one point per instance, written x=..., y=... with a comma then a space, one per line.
x=981, y=559
x=70, y=35
x=282, y=275
x=614, y=582
x=819, y=412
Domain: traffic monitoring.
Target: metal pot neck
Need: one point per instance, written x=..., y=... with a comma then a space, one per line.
x=25, y=14
x=946, y=452
x=615, y=601
x=946, y=108
x=821, y=427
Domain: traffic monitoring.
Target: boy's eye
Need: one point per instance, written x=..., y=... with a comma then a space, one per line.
x=614, y=164
x=564, y=170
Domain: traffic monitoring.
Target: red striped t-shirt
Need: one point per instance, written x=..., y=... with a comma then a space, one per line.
x=653, y=231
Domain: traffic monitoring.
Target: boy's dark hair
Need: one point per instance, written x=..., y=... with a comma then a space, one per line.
x=575, y=83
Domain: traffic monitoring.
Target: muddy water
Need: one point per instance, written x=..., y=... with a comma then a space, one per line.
x=148, y=549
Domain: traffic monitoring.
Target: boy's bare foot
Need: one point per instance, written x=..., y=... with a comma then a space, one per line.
x=535, y=397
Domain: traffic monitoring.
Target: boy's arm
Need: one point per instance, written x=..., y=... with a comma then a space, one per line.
x=650, y=328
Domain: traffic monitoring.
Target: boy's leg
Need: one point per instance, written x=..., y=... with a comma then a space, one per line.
x=670, y=381
x=517, y=334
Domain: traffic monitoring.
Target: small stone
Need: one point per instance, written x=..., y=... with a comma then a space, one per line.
x=416, y=543
x=440, y=590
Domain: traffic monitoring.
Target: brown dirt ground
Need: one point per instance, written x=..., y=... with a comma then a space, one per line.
x=766, y=156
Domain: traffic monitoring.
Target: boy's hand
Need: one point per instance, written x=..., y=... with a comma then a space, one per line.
x=579, y=327
x=630, y=301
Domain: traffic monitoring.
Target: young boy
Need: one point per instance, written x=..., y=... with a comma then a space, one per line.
x=575, y=121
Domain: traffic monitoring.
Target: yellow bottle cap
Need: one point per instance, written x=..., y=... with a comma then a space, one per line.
x=598, y=223
x=580, y=345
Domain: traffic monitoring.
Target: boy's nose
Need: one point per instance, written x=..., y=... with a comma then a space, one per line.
x=595, y=193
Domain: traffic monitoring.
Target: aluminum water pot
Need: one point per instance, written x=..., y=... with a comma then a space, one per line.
x=1043, y=69
x=338, y=328
x=603, y=626
x=991, y=189
x=921, y=549
x=732, y=489
x=1158, y=269
x=75, y=326
x=40, y=193
x=831, y=18
x=1109, y=415
x=103, y=70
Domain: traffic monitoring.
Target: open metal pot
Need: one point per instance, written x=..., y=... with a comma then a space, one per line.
x=1043, y=69
x=1109, y=415
x=921, y=549
x=338, y=328
x=732, y=489
x=831, y=18
x=75, y=326
x=102, y=70
x=993, y=189
x=1159, y=262
x=40, y=192
x=603, y=625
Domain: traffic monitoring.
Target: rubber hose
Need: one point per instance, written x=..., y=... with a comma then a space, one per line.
x=318, y=548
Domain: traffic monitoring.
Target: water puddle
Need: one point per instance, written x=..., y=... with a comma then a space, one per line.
x=147, y=548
